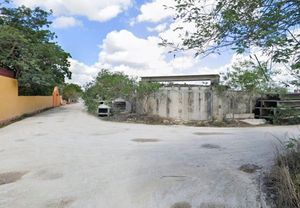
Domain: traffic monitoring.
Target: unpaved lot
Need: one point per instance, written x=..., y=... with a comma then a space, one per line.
x=65, y=158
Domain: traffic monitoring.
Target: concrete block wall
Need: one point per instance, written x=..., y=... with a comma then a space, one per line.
x=194, y=103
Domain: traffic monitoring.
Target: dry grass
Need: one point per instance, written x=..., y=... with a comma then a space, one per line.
x=144, y=119
x=216, y=123
x=157, y=120
x=283, y=182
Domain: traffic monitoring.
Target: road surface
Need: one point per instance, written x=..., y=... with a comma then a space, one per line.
x=65, y=158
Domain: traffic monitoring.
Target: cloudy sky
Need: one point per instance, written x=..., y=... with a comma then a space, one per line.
x=122, y=35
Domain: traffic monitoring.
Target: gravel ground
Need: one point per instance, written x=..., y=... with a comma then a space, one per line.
x=65, y=158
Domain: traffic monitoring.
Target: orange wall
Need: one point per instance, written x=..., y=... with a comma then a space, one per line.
x=13, y=106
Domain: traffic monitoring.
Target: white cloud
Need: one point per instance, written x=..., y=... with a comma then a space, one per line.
x=99, y=10
x=155, y=11
x=158, y=10
x=174, y=34
x=182, y=63
x=82, y=73
x=124, y=47
x=66, y=22
x=123, y=51
x=159, y=28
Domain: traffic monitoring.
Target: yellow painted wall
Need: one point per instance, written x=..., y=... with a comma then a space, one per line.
x=13, y=106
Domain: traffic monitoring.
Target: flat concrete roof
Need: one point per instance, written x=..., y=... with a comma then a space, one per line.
x=204, y=77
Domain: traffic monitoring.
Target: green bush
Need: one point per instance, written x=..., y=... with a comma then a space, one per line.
x=112, y=85
x=287, y=116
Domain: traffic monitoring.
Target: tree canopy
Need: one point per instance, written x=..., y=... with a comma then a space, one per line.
x=112, y=85
x=71, y=92
x=271, y=26
x=252, y=78
x=29, y=49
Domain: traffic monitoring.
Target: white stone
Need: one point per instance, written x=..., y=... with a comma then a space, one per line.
x=240, y=116
x=255, y=122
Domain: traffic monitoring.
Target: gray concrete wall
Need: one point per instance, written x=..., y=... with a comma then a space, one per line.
x=194, y=103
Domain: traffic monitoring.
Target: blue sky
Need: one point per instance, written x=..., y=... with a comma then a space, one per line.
x=122, y=35
x=89, y=36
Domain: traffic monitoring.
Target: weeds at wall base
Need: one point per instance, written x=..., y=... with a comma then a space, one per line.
x=157, y=120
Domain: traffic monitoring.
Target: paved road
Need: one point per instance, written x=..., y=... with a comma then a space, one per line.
x=70, y=159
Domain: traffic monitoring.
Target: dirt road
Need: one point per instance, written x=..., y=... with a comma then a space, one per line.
x=65, y=158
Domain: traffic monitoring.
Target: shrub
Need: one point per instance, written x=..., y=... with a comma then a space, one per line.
x=283, y=182
x=112, y=85
x=287, y=116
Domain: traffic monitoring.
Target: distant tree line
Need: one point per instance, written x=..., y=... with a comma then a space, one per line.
x=71, y=92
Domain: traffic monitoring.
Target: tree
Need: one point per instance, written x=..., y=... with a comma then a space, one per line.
x=251, y=79
x=144, y=91
x=112, y=85
x=71, y=92
x=108, y=86
x=248, y=77
x=269, y=25
x=28, y=49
